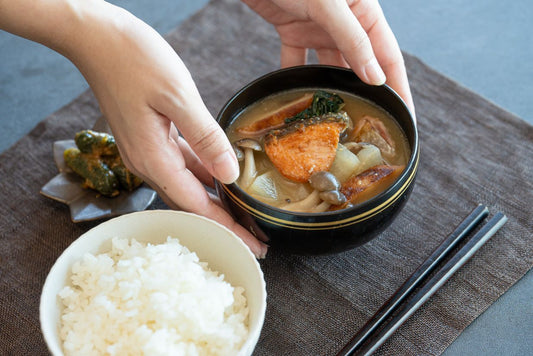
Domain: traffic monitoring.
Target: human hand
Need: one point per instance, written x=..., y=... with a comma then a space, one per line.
x=147, y=94
x=351, y=33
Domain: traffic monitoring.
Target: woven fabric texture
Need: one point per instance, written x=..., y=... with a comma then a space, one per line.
x=471, y=152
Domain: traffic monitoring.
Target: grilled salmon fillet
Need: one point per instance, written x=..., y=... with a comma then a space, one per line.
x=276, y=119
x=305, y=146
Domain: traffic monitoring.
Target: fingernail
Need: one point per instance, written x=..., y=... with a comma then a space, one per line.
x=226, y=168
x=374, y=73
x=262, y=254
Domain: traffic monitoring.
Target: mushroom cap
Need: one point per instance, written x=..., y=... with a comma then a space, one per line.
x=324, y=181
x=248, y=143
x=238, y=153
x=333, y=197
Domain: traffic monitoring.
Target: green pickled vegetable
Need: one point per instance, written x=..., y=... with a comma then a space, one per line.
x=323, y=103
x=128, y=180
x=96, y=143
x=96, y=173
x=97, y=160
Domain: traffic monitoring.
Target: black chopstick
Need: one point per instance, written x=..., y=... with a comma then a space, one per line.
x=366, y=340
x=435, y=282
x=464, y=228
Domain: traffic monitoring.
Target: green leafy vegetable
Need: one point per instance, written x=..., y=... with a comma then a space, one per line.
x=323, y=103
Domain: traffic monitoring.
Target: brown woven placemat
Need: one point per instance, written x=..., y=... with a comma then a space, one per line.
x=471, y=152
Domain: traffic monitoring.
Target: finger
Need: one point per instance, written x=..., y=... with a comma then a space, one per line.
x=331, y=57
x=162, y=166
x=258, y=248
x=206, y=138
x=388, y=54
x=180, y=188
x=338, y=20
x=292, y=56
x=397, y=80
x=192, y=162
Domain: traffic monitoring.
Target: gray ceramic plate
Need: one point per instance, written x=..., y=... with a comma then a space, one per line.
x=87, y=204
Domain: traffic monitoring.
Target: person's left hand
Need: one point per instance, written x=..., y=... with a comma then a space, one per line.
x=346, y=33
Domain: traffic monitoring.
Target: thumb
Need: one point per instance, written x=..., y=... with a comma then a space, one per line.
x=209, y=142
x=203, y=134
x=350, y=37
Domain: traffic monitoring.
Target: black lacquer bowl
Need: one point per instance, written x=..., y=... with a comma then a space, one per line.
x=329, y=232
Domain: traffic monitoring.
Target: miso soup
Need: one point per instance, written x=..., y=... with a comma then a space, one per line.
x=317, y=150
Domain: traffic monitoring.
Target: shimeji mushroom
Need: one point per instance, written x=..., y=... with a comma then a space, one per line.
x=325, y=193
x=238, y=153
x=249, y=171
x=328, y=186
x=333, y=197
x=323, y=181
x=310, y=203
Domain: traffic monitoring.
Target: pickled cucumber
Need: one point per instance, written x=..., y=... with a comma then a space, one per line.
x=96, y=143
x=127, y=180
x=96, y=159
x=96, y=173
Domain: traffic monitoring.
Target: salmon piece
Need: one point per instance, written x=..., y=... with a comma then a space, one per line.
x=372, y=130
x=277, y=118
x=369, y=183
x=305, y=146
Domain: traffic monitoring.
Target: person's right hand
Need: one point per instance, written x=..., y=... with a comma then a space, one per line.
x=146, y=94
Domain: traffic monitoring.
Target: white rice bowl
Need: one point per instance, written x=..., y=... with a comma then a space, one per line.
x=154, y=283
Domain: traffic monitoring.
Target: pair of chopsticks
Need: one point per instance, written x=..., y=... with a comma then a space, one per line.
x=419, y=287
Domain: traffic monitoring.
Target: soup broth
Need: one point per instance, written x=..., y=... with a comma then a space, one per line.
x=315, y=150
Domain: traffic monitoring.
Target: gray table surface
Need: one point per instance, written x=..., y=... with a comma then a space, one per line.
x=485, y=45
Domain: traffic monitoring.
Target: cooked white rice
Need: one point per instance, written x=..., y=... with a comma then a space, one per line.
x=153, y=300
